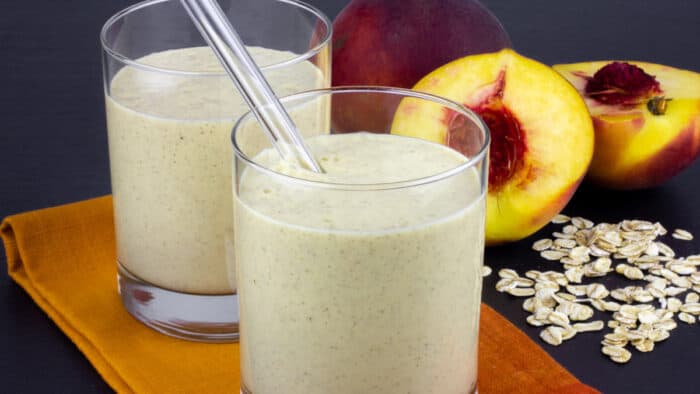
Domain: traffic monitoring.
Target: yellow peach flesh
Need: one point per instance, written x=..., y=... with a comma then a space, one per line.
x=554, y=118
x=628, y=140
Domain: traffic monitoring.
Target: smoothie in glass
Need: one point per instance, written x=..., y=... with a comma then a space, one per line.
x=171, y=163
x=352, y=282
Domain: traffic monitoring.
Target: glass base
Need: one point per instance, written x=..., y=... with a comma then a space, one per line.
x=244, y=390
x=194, y=317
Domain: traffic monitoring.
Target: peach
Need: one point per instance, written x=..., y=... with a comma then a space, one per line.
x=541, y=135
x=397, y=42
x=646, y=118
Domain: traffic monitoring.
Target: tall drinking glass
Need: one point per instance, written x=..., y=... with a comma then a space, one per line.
x=170, y=109
x=367, y=278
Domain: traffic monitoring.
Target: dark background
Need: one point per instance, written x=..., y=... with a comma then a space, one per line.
x=53, y=150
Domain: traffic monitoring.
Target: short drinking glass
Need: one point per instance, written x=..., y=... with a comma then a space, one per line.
x=366, y=278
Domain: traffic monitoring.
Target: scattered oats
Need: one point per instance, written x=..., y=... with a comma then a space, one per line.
x=674, y=304
x=633, y=273
x=598, y=251
x=595, y=325
x=565, y=296
x=577, y=290
x=691, y=307
x=632, y=249
x=620, y=295
x=641, y=225
x=615, y=339
x=542, y=313
x=686, y=318
x=647, y=317
x=486, y=271
x=597, y=291
x=642, y=296
x=582, y=223
x=521, y=291
x=547, y=284
x=598, y=304
x=505, y=285
x=683, y=282
x=565, y=243
x=552, y=335
x=682, y=235
x=574, y=275
x=656, y=282
x=602, y=264
x=570, y=229
x=652, y=250
x=563, y=235
x=580, y=252
x=533, y=321
x=568, y=333
x=682, y=269
x=646, y=261
x=530, y=304
x=667, y=325
x=561, y=219
x=668, y=274
x=507, y=273
x=658, y=335
x=645, y=345
x=558, y=318
x=674, y=291
x=524, y=282
x=532, y=274
x=643, y=314
x=624, y=319
x=552, y=255
x=612, y=306
x=663, y=314
x=620, y=268
x=695, y=278
x=617, y=354
x=581, y=312
x=589, y=271
x=665, y=249
x=656, y=293
x=542, y=244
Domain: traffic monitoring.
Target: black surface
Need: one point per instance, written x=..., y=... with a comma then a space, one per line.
x=53, y=150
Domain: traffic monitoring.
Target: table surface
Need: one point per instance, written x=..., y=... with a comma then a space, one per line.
x=54, y=150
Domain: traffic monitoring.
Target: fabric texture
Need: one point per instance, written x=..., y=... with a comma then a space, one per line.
x=64, y=257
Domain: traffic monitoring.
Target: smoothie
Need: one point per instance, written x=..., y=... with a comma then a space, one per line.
x=354, y=289
x=170, y=157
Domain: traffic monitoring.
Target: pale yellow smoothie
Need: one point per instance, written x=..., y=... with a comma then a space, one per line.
x=170, y=158
x=349, y=291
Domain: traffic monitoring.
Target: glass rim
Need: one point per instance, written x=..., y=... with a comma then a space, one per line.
x=470, y=162
x=146, y=3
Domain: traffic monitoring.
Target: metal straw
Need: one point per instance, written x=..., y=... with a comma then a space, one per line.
x=229, y=48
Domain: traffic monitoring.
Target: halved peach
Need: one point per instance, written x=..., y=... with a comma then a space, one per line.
x=646, y=118
x=541, y=135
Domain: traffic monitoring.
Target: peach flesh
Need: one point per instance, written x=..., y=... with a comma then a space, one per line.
x=508, y=143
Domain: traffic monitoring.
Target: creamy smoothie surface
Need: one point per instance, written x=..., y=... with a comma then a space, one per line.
x=170, y=158
x=347, y=291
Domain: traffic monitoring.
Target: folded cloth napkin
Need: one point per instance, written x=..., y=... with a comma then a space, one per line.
x=64, y=257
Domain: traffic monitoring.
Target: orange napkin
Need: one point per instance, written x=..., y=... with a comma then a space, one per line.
x=64, y=257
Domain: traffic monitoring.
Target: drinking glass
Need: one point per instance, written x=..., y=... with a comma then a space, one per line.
x=170, y=109
x=365, y=279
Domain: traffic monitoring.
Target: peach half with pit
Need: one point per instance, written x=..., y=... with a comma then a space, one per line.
x=646, y=118
x=541, y=135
